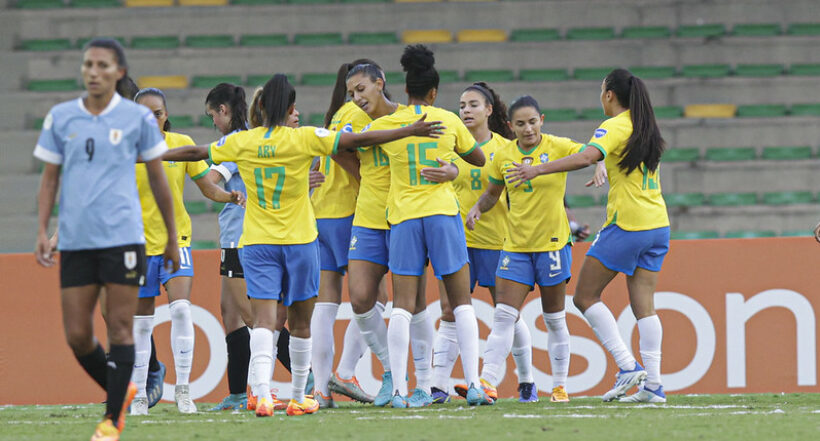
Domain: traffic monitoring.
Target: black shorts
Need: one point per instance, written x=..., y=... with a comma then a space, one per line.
x=229, y=264
x=124, y=265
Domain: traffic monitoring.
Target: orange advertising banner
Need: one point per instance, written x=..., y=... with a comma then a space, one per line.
x=738, y=316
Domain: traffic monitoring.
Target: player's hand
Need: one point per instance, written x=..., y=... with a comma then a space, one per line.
x=170, y=258
x=472, y=217
x=316, y=179
x=238, y=198
x=521, y=173
x=443, y=173
x=432, y=129
x=600, y=176
x=817, y=233
x=582, y=233
x=43, y=251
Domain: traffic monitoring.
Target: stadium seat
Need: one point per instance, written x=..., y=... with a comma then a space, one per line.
x=318, y=39
x=596, y=33
x=165, y=42
x=706, y=71
x=756, y=30
x=593, y=113
x=534, y=35
x=805, y=110
x=319, y=79
x=805, y=69
x=759, y=70
x=710, y=111
x=394, y=77
x=257, y=2
x=580, y=200
x=684, y=199
x=688, y=235
x=210, y=81
x=364, y=1
x=310, y=2
x=761, y=111
x=181, y=122
x=556, y=115
x=316, y=120
x=40, y=4
x=646, y=32
x=797, y=233
x=51, y=44
x=205, y=121
x=481, y=36
x=653, y=72
x=591, y=73
x=209, y=41
x=668, y=112
x=216, y=207
x=748, y=234
x=37, y=123
x=489, y=75
x=681, y=154
x=95, y=3
x=543, y=75
x=164, y=82
x=786, y=153
x=203, y=2
x=148, y=3
x=263, y=40
x=732, y=199
x=701, y=31
x=726, y=154
x=67, y=84
x=196, y=207
x=373, y=38
x=204, y=245
x=448, y=76
x=804, y=29
x=788, y=198
x=427, y=36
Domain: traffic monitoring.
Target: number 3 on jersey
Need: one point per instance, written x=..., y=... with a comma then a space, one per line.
x=263, y=173
x=418, y=155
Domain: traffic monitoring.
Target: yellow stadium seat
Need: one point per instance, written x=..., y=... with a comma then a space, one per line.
x=148, y=3
x=164, y=82
x=710, y=111
x=481, y=36
x=427, y=36
x=203, y=2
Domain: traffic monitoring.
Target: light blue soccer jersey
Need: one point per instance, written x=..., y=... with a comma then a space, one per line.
x=232, y=216
x=99, y=204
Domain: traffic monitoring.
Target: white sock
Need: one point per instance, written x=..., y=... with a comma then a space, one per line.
x=558, y=346
x=398, y=339
x=143, y=326
x=603, y=323
x=499, y=342
x=321, y=331
x=522, y=351
x=374, y=332
x=651, y=335
x=182, y=339
x=274, y=352
x=445, y=353
x=300, y=352
x=467, y=330
x=352, y=351
x=422, y=332
x=261, y=368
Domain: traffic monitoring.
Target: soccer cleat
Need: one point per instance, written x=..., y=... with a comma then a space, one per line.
x=252, y=399
x=349, y=388
x=130, y=392
x=106, y=431
x=182, y=395
x=277, y=403
x=461, y=389
x=624, y=380
x=419, y=398
x=154, y=385
x=398, y=401
x=385, y=391
x=139, y=406
x=264, y=408
x=232, y=402
x=308, y=405
x=439, y=396
x=325, y=401
x=646, y=395
x=476, y=396
x=527, y=393
x=559, y=395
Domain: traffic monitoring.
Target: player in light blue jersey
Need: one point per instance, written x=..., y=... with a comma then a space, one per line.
x=95, y=141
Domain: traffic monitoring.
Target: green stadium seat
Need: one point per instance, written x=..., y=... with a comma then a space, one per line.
x=196, y=207
x=580, y=201
x=603, y=200
x=319, y=79
x=95, y=3
x=756, y=30
x=320, y=39
x=557, y=115
x=788, y=198
x=181, y=122
x=805, y=69
x=162, y=42
x=68, y=84
x=748, y=234
x=701, y=31
x=688, y=235
x=759, y=70
x=310, y=2
x=210, y=81
x=646, y=32
x=804, y=29
x=761, y=111
x=394, y=77
x=204, y=245
x=684, y=199
x=591, y=73
x=653, y=72
x=37, y=123
x=543, y=75
x=448, y=76
x=732, y=199
x=51, y=44
x=40, y=4
x=216, y=207
x=593, y=113
x=263, y=40
x=205, y=121
x=706, y=70
x=373, y=37
x=520, y=35
x=805, y=110
x=786, y=153
x=316, y=120
x=681, y=154
x=489, y=75
x=596, y=33
x=726, y=154
x=83, y=40
x=365, y=1
x=257, y=2
x=209, y=41
x=797, y=233
x=668, y=112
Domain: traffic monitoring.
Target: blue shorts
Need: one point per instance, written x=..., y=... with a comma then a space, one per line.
x=369, y=244
x=281, y=272
x=334, y=240
x=623, y=251
x=483, y=264
x=156, y=274
x=548, y=268
x=440, y=237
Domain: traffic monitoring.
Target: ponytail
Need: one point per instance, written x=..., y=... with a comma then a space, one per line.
x=418, y=61
x=127, y=88
x=498, y=120
x=233, y=97
x=255, y=115
x=277, y=97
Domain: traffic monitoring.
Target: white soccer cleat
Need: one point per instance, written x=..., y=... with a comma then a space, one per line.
x=625, y=380
x=646, y=395
x=139, y=406
x=182, y=396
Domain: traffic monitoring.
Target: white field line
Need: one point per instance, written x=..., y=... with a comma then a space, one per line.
x=570, y=415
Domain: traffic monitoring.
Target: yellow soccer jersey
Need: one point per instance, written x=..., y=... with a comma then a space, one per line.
x=274, y=164
x=336, y=198
x=635, y=202
x=470, y=184
x=156, y=235
x=536, y=221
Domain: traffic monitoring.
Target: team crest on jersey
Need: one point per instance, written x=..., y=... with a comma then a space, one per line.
x=599, y=133
x=544, y=158
x=321, y=132
x=348, y=128
x=130, y=259
x=504, y=262
x=115, y=136
x=526, y=160
x=491, y=156
x=353, y=241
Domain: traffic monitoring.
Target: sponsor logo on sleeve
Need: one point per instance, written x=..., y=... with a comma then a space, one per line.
x=48, y=122
x=599, y=133
x=321, y=132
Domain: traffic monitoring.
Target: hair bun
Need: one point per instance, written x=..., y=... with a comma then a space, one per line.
x=417, y=58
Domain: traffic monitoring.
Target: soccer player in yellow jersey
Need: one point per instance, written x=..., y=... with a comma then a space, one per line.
x=635, y=236
x=280, y=254
x=424, y=221
x=177, y=284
